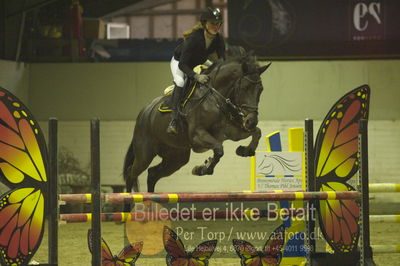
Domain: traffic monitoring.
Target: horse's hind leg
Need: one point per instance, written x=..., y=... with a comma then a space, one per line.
x=172, y=161
x=139, y=165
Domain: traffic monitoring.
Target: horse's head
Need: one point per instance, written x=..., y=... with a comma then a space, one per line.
x=239, y=80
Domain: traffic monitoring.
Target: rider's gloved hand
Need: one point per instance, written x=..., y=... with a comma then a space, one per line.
x=201, y=78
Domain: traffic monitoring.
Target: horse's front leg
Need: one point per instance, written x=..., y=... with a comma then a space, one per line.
x=250, y=150
x=203, y=140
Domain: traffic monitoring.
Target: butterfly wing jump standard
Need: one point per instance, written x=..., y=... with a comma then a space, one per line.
x=23, y=164
x=270, y=255
x=178, y=256
x=127, y=257
x=336, y=162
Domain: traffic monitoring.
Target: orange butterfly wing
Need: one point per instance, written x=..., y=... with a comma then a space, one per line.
x=177, y=256
x=130, y=253
x=202, y=253
x=247, y=253
x=127, y=256
x=336, y=162
x=23, y=161
x=272, y=249
x=271, y=254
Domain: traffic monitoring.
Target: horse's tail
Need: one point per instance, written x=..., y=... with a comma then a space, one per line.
x=128, y=162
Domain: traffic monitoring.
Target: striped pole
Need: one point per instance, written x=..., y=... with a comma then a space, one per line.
x=238, y=215
x=198, y=215
x=87, y=198
x=384, y=218
x=386, y=248
x=122, y=198
x=384, y=187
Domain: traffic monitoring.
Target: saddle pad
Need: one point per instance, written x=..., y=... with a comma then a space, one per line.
x=165, y=107
x=168, y=90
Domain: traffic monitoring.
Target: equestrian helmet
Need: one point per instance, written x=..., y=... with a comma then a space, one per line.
x=212, y=14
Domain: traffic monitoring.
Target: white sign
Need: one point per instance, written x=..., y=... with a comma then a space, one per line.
x=278, y=171
x=278, y=163
x=278, y=183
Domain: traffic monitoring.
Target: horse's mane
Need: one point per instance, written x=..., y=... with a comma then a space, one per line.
x=237, y=54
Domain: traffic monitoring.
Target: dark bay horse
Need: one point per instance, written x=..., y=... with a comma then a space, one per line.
x=226, y=108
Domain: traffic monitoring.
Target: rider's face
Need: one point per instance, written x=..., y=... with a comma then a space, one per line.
x=213, y=27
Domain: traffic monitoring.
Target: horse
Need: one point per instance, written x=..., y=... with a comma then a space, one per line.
x=224, y=109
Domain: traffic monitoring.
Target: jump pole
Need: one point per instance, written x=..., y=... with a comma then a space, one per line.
x=198, y=215
x=386, y=248
x=248, y=214
x=383, y=187
x=122, y=198
x=384, y=218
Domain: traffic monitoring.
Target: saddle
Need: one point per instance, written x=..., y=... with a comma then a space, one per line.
x=165, y=106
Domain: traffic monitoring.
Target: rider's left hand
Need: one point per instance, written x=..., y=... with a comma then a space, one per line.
x=201, y=78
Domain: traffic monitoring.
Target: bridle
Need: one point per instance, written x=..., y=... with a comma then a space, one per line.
x=250, y=108
x=237, y=86
x=226, y=104
x=234, y=111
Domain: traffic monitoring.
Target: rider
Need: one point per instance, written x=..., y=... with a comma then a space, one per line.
x=201, y=43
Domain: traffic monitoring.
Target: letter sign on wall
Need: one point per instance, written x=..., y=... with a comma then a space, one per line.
x=368, y=20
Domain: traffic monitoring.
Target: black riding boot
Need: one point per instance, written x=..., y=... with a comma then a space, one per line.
x=176, y=101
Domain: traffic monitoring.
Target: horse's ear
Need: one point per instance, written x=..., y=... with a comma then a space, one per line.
x=263, y=68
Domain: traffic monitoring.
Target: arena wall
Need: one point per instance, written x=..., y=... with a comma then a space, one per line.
x=15, y=77
x=293, y=90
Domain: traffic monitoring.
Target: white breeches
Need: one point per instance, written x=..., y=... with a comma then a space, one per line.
x=179, y=76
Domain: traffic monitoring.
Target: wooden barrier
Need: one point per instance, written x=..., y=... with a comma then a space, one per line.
x=384, y=187
x=384, y=218
x=198, y=215
x=122, y=198
x=386, y=248
x=249, y=214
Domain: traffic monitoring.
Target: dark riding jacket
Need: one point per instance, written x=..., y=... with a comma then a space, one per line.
x=193, y=52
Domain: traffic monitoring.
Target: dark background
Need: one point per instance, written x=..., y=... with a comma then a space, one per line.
x=315, y=28
x=275, y=29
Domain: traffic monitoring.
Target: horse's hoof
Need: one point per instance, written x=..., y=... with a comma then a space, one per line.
x=244, y=151
x=202, y=170
x=199, y=170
